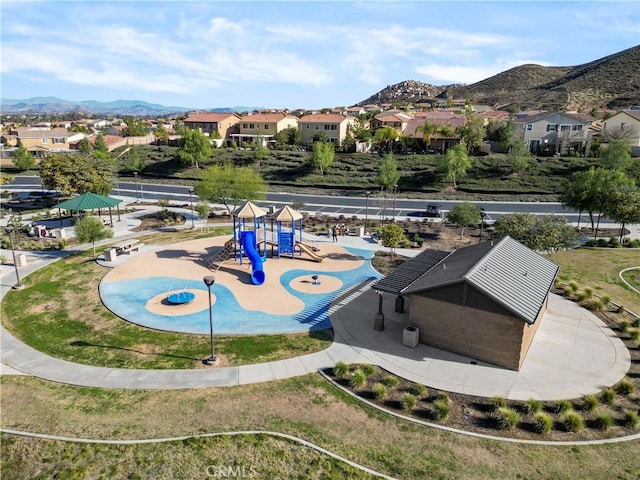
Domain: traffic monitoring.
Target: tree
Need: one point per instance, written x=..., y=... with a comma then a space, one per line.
x=293, y=136
x=387, y=178
x=545, y=233
x=623, y=206
x=473, y=131
x=384, y=138
x=259, y=151
x=323, y=155
x=132, y=161
x=74, y=173
x=134, y=128
x=100, y=145
x=455, y=163
x=91, y=229
x=519, y=158
x=195, y=148
x=464, y=215
x=588, y=190
x=6, y=179
x=428, y=131
x=391, y=235
x=161, y=134
x=617, y=156
x=84, y=146
x=23, y=159
x=229, y=185
x=360, y=128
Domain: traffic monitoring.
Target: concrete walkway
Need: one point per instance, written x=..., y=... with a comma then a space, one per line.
x=573, y=354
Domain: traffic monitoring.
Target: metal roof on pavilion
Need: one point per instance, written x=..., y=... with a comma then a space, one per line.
x=88, y=201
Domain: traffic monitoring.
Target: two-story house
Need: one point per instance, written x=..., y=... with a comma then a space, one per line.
x=624, y=124
x=334, y=126
x=441, y=132
x=214, y=124
x=263, y=126
x=42, y=141
x=396, y=120
x=549, y=133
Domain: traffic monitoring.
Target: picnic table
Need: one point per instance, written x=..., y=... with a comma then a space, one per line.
x=125, y=247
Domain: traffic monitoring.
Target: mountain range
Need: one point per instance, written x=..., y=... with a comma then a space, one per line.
x=611, y=82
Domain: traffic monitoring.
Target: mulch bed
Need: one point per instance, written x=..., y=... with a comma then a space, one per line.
x=476, y=414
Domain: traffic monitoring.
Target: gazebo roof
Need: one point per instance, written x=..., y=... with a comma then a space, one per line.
x=286, y=214
x=88, y=201
x=249, y=211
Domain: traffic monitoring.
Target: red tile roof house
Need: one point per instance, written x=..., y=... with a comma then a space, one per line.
x=438, y=141
x=208, y=123
x=483, y=301
x=263, y=126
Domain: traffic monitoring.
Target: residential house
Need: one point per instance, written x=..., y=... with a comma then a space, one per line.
x=624, y=124
x=214, y=124
x=445, y=134
x=484, y=301
x=40, y=140
x=333, y=125
x=551, y=133
x=397, y=120
x=263, y=126
x=355, y=111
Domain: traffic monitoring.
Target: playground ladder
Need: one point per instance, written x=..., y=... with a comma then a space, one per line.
x=217, y=259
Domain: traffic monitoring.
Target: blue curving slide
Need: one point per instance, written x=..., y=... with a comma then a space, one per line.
x=248, y=240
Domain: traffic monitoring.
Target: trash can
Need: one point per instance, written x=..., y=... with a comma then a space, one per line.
x=21, y=260
x=410, y=336
x=399, y=304
x=109, y=254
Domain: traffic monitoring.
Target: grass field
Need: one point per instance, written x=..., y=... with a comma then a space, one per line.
x=308, y=407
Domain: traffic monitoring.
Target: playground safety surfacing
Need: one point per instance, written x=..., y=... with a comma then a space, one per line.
x=289, y=301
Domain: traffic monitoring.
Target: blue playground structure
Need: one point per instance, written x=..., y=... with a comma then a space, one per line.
x=250, y=237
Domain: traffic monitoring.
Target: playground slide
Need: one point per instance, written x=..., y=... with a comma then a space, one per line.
x=249, y=244
x=309, y=251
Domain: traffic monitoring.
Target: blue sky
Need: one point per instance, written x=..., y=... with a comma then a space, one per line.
x=290, y=54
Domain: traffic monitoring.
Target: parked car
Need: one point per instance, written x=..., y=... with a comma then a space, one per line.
x=433, y=210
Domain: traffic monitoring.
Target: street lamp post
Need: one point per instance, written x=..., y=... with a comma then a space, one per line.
x=395, y=194
x=191, y=202
x=209, y=280
x=483, y=214
x=135, y=174
x=18, y=285
x=366, y=210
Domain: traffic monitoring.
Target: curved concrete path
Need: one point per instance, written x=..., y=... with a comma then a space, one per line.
x=573, y=354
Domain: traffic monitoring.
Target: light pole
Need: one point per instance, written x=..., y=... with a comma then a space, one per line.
x=135, y=174
x=191, y=202
x=18, y=285
x=483, y=214
x=366, y=210
x=395, y=194
x=209, y=280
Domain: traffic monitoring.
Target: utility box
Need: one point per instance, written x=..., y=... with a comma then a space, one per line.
x=60, y=234
x=410, y=336
x=110, y=254
x=21, y=260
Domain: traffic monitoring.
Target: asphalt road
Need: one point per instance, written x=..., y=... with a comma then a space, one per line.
x=325, y=204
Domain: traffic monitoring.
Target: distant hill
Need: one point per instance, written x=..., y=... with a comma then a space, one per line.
x=610, y=82
x=138, y=108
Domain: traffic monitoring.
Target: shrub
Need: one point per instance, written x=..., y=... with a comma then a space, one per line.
x=596, y=304
x=440, y=410
x=614, y=242
x=581, y=296
x=408, y=401
x=379, y=391
x=532, y=406
x=498, y=402
x=572, y=422
x=630, y=419
x=390, y=381
x=506, y=418
x=573, y=285
x=624, y=387
x=620, y=309
x=358, y=378
x=562, y=406
x=603, y=421
x=542, y=423
x=340, y=369
x=589, y=403
x=607, y=396
x=634, y=334
x=443, y=396
x=623, y=325
x=602, y=243
x=367, y=369
x=420, y=390
x=605, y=299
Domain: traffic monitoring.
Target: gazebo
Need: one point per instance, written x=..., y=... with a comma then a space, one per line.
x=90, y=201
